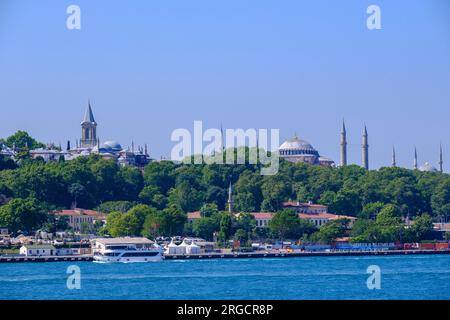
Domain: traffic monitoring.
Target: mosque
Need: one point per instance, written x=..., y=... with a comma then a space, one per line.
x=297, y=150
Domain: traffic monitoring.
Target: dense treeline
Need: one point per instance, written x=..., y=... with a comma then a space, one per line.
x=158, y=198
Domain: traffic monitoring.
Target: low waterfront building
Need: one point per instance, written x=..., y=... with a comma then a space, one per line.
x=37, y=250
x=78, y=219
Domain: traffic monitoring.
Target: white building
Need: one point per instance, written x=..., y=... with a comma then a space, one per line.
x=37, y=250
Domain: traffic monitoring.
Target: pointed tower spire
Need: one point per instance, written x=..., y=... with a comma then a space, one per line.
x=441, y=159
x=416, y=165
x=230, y=199
x=365, y=149
x=394, y=160
x=343, y=145
x=88, y=115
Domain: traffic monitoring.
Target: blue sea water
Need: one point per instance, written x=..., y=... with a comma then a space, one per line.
x=402, y=277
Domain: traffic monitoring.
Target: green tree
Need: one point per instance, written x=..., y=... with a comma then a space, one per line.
x=76, y=190
x=23, y=214
x=22, y=140
x=286, y=224
x=421, y=228
x=331, y=231
x=226, y=227
x=205, y=227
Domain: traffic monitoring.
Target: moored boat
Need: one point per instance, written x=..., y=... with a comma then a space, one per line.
x=126, y=250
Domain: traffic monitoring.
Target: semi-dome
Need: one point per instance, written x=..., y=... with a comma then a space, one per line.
x=112, y=145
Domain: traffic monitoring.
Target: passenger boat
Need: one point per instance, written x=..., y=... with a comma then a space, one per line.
x=126, y=250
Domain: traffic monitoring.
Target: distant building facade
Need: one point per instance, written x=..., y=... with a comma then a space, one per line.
x=78, y=218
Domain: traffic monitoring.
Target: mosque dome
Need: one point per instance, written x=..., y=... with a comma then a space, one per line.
x=112, y=146
x=297, y=146
x=427, y=167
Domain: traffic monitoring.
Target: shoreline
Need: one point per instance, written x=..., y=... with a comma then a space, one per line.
x=247, y=255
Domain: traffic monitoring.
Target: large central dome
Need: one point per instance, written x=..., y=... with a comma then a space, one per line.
x=297, y=146
x=297, y=150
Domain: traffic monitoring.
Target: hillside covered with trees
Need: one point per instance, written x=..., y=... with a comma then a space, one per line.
x=155, y=201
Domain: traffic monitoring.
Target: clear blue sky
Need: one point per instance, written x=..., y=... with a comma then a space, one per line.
x=150, y=67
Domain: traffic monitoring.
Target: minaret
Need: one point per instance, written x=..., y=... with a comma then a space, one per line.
x=68, y=145
x=441, y=161
x=88, y=129
x=343, y=145
x=222, y=138
x=146, y=150
x=230, y=199
x=416, y=166
x=394, y=160
x=365, y=149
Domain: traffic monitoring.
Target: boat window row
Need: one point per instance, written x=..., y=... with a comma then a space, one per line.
x=140, y=254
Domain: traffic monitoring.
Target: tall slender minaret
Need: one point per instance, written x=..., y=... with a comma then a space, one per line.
x=441, y=161
x=343, y=145
x=230, y=199
x=394, y=160
x=416, y=165
x=365, y=149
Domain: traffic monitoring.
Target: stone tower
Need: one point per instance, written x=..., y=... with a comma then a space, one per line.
x=88, y=129
x=365, y=149
x=343, y=145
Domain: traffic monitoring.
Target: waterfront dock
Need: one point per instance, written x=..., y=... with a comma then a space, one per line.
x=250, y=255
x=234, y=255
x=12, y=259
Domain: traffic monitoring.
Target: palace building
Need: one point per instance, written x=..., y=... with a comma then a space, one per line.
x=90, y=144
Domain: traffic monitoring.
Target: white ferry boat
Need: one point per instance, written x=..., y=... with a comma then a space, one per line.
x=126, y=250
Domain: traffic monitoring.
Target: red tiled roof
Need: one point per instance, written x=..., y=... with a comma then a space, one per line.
x=262, y=215
x=194, y=215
